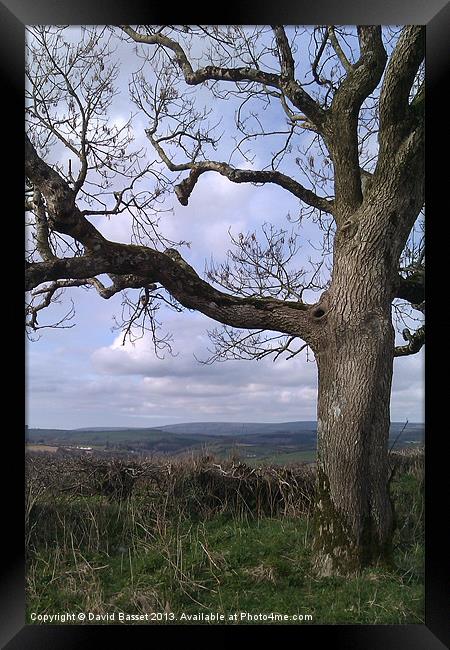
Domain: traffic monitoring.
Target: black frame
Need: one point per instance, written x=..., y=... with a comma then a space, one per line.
x=435, y=14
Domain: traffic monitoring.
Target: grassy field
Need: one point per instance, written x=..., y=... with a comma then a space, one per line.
x=41, y=448
x=286, y=458
x=181, y=546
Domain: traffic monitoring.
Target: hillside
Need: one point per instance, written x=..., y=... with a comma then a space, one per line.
x=242, y=428
x=277, y=442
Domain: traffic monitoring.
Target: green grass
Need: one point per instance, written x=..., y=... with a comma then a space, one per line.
x=284, y=458
x=91, y=554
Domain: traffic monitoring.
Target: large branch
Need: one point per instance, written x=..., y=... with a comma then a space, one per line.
x=183, y=283
x=42, y=232
x=399, y=185
x=364, y=76
x=397, y=117
x=62, y=212
x=291, y=88
x=342, y=120
x=284, y=82
x=130, y=264
x=184, y=189
x=401, y=137
x=207, y=73
x=415, y=343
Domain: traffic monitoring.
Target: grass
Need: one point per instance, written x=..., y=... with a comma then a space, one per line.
x=284, y=458
x=142, y=555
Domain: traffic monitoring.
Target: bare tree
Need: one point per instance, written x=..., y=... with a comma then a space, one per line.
x=350, y=109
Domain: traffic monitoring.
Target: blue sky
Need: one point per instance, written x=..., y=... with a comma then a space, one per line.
x=84, y=376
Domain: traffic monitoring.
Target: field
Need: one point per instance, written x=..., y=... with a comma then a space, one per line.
x=284, y=458
x=41, y=448
x=176, y=541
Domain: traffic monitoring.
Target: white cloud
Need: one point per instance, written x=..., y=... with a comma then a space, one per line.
x=74, y=381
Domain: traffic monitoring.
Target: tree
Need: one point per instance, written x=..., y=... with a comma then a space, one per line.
x=350, y=109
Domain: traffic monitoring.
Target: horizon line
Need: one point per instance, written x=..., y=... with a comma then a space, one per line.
x=105, y=426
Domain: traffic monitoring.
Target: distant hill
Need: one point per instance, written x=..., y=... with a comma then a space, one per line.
x=251, y=440
x=241, y=428
x=109, y=429
x=416, y=429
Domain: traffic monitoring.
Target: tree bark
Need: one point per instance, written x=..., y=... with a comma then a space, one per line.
x=354, y=519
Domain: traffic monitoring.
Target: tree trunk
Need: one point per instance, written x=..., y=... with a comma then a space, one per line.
x=354, y=518
x=353, y=514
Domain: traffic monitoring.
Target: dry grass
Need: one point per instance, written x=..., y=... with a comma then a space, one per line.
x=163, y=535
x=201, y=485
x=41, y=448
x=262, y=573
x=410, y=460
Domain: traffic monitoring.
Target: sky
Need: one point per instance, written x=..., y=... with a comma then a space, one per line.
x=84, y=376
